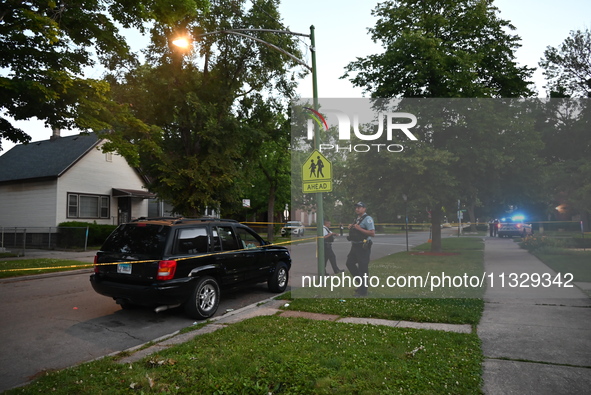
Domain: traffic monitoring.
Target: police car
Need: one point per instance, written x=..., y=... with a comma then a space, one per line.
x=514, y=226
x=293, y=228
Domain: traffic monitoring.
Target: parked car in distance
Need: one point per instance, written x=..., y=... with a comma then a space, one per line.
x=293, y=228
x=514, y=226
x=171, y=262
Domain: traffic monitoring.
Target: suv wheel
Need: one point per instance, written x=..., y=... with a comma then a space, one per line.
x=204, y=300
x=278, y=280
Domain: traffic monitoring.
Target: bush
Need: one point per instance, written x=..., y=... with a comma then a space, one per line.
x=535, y=243
x=97, y=234
x=551, y=244
x=549, y=250
x=581, y=242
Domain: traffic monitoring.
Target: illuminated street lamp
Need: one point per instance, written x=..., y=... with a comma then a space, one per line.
x=184, y=43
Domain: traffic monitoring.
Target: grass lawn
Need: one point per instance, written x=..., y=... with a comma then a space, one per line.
x=23, y=267
x=416, y=274
x=567, y=261
x=563, y=260
x=451, y=310
x=559, y=256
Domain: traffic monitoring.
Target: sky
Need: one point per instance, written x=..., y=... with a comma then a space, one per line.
x=341, y=36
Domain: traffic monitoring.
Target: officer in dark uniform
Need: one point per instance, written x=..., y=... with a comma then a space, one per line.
x=360, y=233
x=329, y=254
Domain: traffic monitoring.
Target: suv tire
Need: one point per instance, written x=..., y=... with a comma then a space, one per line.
x=204, y=300
x=278, y=280
x=126, y=305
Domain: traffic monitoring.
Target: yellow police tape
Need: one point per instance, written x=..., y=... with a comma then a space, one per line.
x=146, y=261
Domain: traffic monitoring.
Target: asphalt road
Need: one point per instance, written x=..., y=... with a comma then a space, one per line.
x=53, y=322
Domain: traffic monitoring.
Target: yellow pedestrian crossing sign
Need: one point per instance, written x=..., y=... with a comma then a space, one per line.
x=317, y=174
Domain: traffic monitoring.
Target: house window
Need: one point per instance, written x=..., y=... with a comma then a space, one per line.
x=104, y=208
x=72, y=206
x=109, y=156
x=88, y=206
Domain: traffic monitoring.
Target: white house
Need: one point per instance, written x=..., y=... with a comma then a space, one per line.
x=65, y=179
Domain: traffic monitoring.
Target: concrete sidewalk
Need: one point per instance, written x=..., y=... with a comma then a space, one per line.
x=535, y=340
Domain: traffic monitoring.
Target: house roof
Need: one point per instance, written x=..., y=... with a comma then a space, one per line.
x=45, y=159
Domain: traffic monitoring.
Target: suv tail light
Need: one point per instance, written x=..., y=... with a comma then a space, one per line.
x=166, y=270
x=96, y=268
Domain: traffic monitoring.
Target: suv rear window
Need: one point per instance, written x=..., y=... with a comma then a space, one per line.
x=139, y=238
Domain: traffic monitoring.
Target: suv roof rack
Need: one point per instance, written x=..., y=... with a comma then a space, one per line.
x=154, y=219
x=203, y=219
x=180, y=220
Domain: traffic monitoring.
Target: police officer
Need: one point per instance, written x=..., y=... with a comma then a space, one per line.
x=360, y=233
x=329, y=254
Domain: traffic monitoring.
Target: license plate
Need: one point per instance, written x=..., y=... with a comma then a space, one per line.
x=124, y=268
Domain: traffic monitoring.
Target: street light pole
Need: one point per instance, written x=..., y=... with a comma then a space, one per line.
x=319, y=196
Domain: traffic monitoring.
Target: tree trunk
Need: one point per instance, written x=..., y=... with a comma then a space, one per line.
x=436, y=228
x=472, y=217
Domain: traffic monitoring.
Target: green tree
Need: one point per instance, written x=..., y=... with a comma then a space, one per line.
x=193, y=120
x=567, y=152
x=443, y=49
x=568, y=67
x=46, y=45
x=271, y=178
x=566, y=130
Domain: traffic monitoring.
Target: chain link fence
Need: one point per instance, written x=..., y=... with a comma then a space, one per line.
x=17, y=239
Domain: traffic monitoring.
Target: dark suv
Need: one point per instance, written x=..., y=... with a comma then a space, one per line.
x=171, y=262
